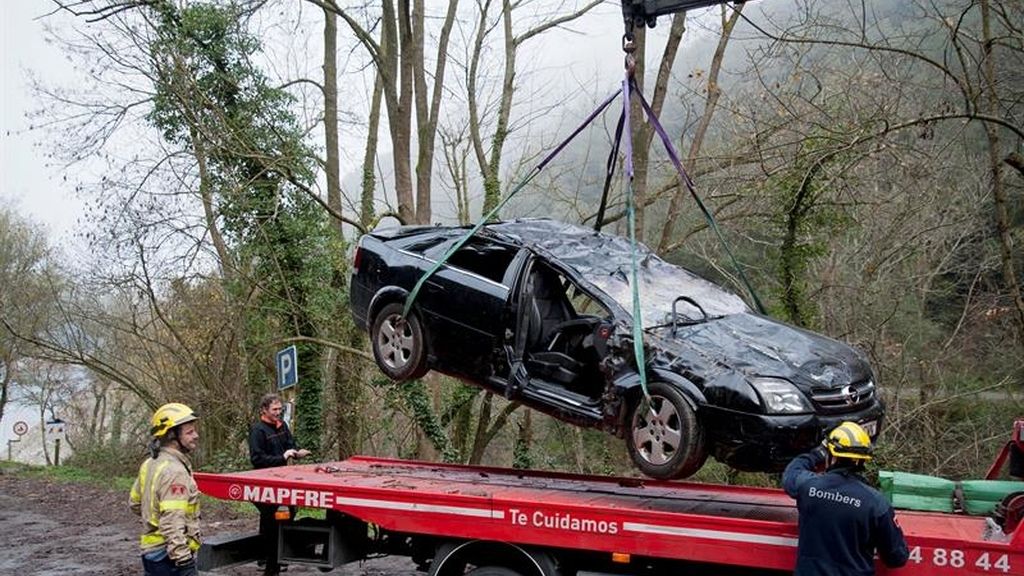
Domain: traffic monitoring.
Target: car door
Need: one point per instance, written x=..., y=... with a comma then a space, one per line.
x=464, y=305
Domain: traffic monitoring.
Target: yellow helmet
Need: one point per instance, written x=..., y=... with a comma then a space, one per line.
x=168, y=416
x=849, y=440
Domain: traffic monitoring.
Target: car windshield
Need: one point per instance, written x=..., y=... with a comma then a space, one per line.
x=604, y=261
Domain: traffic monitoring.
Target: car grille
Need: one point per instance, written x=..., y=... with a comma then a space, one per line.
x=846, y=398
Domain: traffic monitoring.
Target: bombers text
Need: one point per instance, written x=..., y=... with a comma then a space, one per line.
x=834, y=497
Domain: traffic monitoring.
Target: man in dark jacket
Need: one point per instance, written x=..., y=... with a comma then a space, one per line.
x=843, y=521
x=271, y=444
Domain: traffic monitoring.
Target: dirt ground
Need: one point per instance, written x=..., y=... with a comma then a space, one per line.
x=54, y=528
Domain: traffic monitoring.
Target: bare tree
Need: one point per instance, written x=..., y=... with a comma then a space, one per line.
x=965, y=83
x=401, y=63
x=498, y=113
x=26, y=299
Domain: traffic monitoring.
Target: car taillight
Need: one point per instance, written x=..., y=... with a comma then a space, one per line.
x=356, y=259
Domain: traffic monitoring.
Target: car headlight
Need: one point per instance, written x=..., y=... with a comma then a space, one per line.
x=781, y=396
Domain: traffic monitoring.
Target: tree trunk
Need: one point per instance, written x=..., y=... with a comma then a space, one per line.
x=792, y=257
x=331, y=117
x=42, y=433
x=641, y=134
x=5, y=384
x=480, y=436
x=710, y=105
x=999, y=198
x=524, y=441
x=427, y=111
x=492, y=168
x=395, y=68
x=366, y=212
x=489, y=162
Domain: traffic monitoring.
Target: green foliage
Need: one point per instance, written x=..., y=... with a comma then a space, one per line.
x=314, y=513
x=522, y=454
x=106, y=459
x=562, y=446
x=805, y=223
x=458, y=415
x=212, y=99
x=956, y=435
x=78, y=475
x=226, y=460
x=308, y=410
x=414, y=393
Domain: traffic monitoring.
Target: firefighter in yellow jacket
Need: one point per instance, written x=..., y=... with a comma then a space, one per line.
x=166, y=496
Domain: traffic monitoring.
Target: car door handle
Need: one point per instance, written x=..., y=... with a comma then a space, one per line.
x=435, y=286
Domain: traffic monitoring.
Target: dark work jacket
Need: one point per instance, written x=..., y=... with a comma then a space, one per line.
x=843, y=521
x=267, y=445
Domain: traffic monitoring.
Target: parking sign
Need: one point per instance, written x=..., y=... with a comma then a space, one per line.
x=287, y=368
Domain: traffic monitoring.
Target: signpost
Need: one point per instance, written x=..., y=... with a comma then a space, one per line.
x=287, y=368
x=20, y=429
x=55, y=427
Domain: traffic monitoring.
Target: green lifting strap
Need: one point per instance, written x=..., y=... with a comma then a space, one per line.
x=638, y=328
x=411, y=298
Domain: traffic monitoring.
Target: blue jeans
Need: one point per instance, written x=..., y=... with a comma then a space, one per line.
x=158, y=563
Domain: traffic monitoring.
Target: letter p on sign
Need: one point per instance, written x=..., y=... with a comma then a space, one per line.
x=287, y=368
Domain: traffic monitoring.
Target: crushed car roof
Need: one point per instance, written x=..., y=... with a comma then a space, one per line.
x=605, y=260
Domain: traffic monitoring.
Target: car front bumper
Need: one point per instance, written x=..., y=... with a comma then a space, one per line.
x=767, y=442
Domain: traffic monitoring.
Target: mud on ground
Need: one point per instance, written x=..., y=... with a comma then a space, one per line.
x=53, y=528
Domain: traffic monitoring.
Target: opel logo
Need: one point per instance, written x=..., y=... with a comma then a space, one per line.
x=850, y=395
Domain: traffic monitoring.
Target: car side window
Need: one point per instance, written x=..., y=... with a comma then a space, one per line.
x=484, y=258
x=585, y=303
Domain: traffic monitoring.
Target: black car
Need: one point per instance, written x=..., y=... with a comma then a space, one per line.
x=539, y=311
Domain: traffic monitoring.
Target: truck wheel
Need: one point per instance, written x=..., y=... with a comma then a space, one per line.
x=398, y=344
x=668, y=443
x=492, y=571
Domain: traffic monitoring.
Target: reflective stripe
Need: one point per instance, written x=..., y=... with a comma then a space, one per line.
x=154, y=512
x=174, y=505
x=156, y=538
x=143, y=472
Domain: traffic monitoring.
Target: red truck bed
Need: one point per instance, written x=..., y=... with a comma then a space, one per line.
x=740, y=526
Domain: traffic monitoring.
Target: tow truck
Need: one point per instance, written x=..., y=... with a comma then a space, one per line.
x=454, y=520
x=483, y=521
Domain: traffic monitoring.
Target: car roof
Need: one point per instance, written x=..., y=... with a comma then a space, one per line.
x=581, y=248
x=596, y=257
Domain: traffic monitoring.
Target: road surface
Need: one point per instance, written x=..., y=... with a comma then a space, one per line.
x=64, y=529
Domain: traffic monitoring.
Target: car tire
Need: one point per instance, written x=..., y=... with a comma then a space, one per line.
x=398, y=343
x=669, y=443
